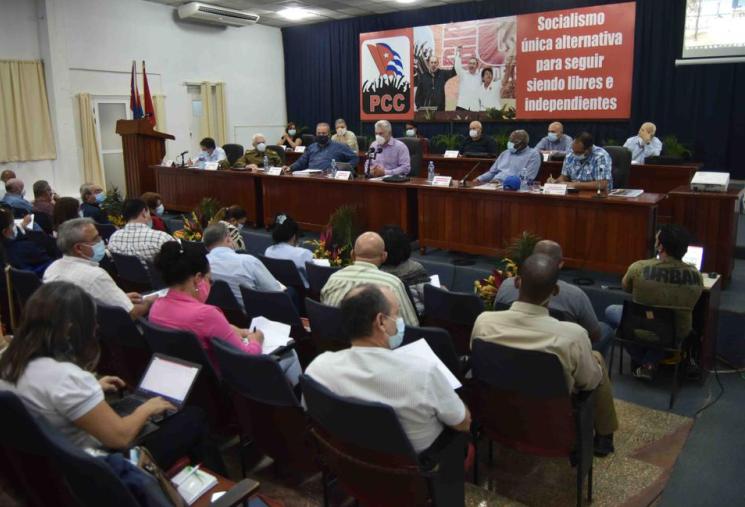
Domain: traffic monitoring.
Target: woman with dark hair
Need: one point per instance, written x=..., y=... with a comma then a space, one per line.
x=66, y=208
x=155, y=204
x=49, y=365
x=285, y=234
x=235, y=219
x=23, y=249
x=290, y=137
x=398, y=263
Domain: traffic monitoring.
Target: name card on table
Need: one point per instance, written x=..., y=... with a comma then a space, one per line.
x=343, y=175
x=210, y=166
x=274, y=171
x=442, y=181
x=555, y=189
x=167, y=162
x=299, y=149
x=451, y=154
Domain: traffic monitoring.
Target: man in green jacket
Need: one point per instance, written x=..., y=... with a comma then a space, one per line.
x=254, y=158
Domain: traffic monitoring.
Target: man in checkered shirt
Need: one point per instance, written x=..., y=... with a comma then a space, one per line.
x=137, y=238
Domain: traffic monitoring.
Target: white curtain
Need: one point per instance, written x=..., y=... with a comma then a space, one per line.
x=159, y=102
x=92, y=167
x=214, y=121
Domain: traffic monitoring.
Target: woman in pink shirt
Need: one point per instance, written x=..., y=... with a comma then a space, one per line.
x=186, y=272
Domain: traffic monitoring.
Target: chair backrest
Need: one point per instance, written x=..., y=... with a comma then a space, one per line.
x=325, y=327
x=155, y=276
x=317, y=277
x=557, y=314
x=365, y=447
x=233, y=152
x=621, y=160
x=521, y=399
x=275, y=306
x=43, y=468
x=24, y=284
x=197, y=245
x=440, y=342
x=415, y=153
x=285, y=271
x=222, y=297
x=362, y=143
x=130, y=269
x=650, y=325
x=454, y=311
x=105, y=231
x=124, y=350
x=308, y=139
x=279, y=150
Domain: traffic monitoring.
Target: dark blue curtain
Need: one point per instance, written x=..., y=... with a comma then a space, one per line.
x=703, y=105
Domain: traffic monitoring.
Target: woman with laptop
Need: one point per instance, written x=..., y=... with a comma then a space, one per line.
x=49, y=364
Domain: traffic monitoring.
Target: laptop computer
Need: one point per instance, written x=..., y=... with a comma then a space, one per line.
x=168, y=377
x=694, y=256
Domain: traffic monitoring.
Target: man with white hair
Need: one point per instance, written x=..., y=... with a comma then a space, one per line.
x=320, y=154
x=556, y=140
x=513, y=160
x=645, y=144
x=390, y=156
x=344, y=135
x=254, y=158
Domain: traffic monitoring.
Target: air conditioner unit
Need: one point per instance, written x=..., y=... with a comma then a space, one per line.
x=215, y=15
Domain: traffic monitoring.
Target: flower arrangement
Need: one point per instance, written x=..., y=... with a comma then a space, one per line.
x=337, y=239
x=112, y=206
x=208, y=212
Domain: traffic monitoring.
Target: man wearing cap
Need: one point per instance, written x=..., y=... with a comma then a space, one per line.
x=515, y=158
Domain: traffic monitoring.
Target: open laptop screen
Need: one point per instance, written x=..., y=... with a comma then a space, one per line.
x=694, y=256
x=169, y=378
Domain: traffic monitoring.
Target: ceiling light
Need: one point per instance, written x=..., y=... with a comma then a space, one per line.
x=296, y=13
x=406, y=1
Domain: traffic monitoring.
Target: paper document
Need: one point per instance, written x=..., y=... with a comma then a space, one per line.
x=307, y=172
x=192, y=483
x=322, y=262
x=435, y=280
x=488, y=186
x=421, y=351
x=626, y=192
x=276, y=334
x=30, y=226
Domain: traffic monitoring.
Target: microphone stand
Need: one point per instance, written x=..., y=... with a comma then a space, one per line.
x=463, y=183
x=183, y=159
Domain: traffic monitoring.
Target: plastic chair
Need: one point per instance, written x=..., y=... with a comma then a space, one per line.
x=24, y=284
x=441, y=344
x=520, y=399
x=276, y=306
x=317, y=278
x=222, y=297
x=455, y=312
x=279, y=150
x=133, y=276
x=325, y=327
x=286, y=273
x=233, y=152
x=308, y=139
x=621, y=161
x=415, y=153
x=155, y=277
x=125, y=352
x=105, y=231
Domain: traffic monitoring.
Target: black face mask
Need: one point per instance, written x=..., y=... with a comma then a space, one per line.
x=322, y=140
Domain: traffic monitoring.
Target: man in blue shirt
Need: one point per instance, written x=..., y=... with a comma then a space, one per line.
x=556, y=140
x=210, y=153
x=13, y=197
x=515, y=158
x=586, y=166
x=320, y=154
x=91, y=198
x=645, y=144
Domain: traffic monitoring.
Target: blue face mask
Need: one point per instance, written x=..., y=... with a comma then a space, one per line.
x=100, y=197
x=160, y=210
x=395, y=340
x=99, y=250
x=553, y=136
x=511, y=147
x=580, y=157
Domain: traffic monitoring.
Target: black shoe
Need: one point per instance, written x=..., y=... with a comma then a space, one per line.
x=603, y=445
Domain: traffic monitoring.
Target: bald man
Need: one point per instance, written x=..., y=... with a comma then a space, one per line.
x=645, y=144
x=527, y=325
x=14, y=197
x=478, y=144
x=556, y=141
x=571, y=301
x=368, y=255
x=518, y=156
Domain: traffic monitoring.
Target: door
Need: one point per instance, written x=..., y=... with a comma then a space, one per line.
x=107, y=111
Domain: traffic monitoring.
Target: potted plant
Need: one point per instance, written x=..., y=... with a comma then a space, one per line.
x=448, y=141
x=207, y=212
x=501, y=139
x=337, y=239
x=112, y=205
x=674, y=148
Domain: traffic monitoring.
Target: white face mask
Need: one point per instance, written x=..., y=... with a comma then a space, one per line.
x=341, y=131
x=292, y=132
x=379, y=139
x=411, y=133
x=261, y=147
x=473, y=133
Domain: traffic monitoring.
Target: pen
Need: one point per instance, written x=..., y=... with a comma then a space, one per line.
x=191, y=472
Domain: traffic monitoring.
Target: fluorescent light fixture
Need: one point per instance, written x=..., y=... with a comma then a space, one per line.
x=405, y=1
x=296, y=13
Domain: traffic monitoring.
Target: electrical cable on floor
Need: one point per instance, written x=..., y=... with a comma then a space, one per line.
x=721, y=392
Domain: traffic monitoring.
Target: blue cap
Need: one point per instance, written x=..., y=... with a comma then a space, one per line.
x=511, y=183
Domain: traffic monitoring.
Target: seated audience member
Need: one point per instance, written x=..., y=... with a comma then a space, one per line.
x=4, y=177
x=477, y=143
x=23, y=250
x=489, y=91
x=320, y=154
x=82, y=249
x=399, y=263
x=667, y=282
x=527, y=325
x=344, y=136
x=368, y=255
x=50, y=365
x=645, y=144
x=137, y=237
x=411, y=130
x=233, y=268
x=391, y=155
x=66, y=208
x=570, y=300
x=154, y=203
x=370, y=371
x=285, y=236
x=15, y=197
x=291, y=138
x=92, y=196
x=586, y=166
x=210, y=152
x=556, y=140
x=515, y=158
x=43, y=198
x=254, y=158
x=235, y=219
x=186, y=272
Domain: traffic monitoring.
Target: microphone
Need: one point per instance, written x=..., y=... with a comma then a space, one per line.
x=183, y=153
x=183, y=160
x=462, y=182
x=370, y=157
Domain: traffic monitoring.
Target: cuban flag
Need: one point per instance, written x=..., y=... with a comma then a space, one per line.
x=386, y=59
x=135, y=105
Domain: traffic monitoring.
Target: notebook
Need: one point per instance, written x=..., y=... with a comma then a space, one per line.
x=276, y=334
x=192, y=484
x=421, y=350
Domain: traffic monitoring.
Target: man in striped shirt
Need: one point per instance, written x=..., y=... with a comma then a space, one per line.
x=368, y=255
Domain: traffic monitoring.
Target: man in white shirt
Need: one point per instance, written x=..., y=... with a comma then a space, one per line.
x=82, y=249
x=210, y=152
x=469, y=82
x=233, y=268
x=138, y=238
x=418, y=392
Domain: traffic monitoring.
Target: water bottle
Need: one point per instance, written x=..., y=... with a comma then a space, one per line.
x=266, y=162
x=431, y=171
x=524, y=179
x=201, y=162
x=333, y=168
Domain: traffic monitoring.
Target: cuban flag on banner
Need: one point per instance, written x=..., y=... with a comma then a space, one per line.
x=387, y=60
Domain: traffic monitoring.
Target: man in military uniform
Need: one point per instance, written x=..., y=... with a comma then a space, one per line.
x=254, y=158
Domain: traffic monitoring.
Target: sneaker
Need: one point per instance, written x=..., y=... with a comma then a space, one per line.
x=645, y=372
x=603, y=445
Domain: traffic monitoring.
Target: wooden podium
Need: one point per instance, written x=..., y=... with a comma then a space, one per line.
x=143, y=148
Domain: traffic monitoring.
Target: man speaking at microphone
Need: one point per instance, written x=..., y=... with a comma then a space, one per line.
x=389, y=155
x=515, y=158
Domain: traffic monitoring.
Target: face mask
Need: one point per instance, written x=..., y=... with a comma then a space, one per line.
x=341, y=131
x=580, y=157
x=80, y=213
x=553, y=136
x=395, y=340
x=380, y=139
x=292, y=132
x=100, y=197
x=160, y=210
x=411, y=133
x=511, y=147
x=322, y=140
x=473, y=133
x=203, y=290
x=99, y=250
x=261, y=147
x=150, y=223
